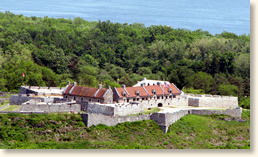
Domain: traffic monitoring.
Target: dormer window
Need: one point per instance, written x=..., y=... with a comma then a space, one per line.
x=154, y=91
x=124, y=94
x=170, y=90
x=137, y=93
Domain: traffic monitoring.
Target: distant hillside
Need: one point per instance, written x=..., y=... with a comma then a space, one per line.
x=52, y=51
x=67, y=131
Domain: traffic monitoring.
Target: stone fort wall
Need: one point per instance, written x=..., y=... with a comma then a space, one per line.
x=19, y=99
x=164, y=120
x=120, y=109
x=50, y=107
x=213, y=101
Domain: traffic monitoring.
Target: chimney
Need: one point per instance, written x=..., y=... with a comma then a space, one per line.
x=100, y=86
x=123, y=86
x=109, y=87
x=68, y=82
x=144, y=79
x=158, y=83
x=74, y=83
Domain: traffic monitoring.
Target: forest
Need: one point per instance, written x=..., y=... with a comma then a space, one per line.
x=52, y=51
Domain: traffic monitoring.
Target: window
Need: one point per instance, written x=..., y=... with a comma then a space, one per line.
x=66, y=96
x=74, y=98
x=157, y=97
x=89, y=99
x=81, y=99
x=174, y=96
x=137, y=93
x=138, y=99
x=168, y=103
x=142, y=98
x=166, y=97
x=154, y=91
x=170, y=90
x=127, y=100
x=162, y=97
x=133, y=99
x=124, y=94
x=170, y=96
x=150, y=98
x=98, y=100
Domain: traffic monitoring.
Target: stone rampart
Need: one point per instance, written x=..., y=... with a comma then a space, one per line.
x=213, y=101
x=100, y=108
x=121, y=109
x=50, y=107
x=231, y=112
x=19, y=99
x=164, y=120
x=90, y=119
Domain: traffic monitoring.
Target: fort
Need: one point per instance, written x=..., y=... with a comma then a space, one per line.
x=117, y=105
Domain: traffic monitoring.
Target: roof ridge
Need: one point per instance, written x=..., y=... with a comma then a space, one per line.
x=145, y=90
x=96, y=92
x=126, y=91
x=162, y=89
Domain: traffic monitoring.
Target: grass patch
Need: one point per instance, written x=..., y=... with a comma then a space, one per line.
x=67, y=131
x=152, y=110
x=4, y=103
x=11, y=108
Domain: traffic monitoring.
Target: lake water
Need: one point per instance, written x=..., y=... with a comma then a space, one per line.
x=214, y=16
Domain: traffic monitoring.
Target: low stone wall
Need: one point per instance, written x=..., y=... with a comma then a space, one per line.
x=50, y=107
x=164, y=120
x=100, y=108
x=121, y=109
x=90, y=119
x=231, y=112
x=213, y=101
x=19, y=99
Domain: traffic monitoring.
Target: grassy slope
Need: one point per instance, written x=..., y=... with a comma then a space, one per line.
x=54, y=131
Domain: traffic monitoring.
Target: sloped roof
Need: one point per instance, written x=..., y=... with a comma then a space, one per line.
x=101, y=93
x=68, y=89
x=156, y=87
x=85, y=91
x=132, y=91
x=120, y=92
x=175, y=90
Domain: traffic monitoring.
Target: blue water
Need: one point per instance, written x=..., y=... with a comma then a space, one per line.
x=214, y=16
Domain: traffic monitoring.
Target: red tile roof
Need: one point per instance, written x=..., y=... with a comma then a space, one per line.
x=68, y=89
x=85, y=91
x=132, y=91
x=156, y=87
x=120, y=92
x=101, y=93
x=173, y=87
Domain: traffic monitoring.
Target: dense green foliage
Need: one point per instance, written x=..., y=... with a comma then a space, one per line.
x=67, y=131
x=53, y=51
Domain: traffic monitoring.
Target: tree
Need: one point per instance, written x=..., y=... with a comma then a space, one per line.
x=202, y=80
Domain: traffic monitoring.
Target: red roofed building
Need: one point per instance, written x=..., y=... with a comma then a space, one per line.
x=88, y=94
x=150, y=95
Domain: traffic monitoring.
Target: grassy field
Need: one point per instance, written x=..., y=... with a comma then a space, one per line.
x=67, y=131
x=11, y=108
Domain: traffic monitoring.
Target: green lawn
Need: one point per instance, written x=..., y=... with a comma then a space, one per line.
x=11, y=108
x=67, y=131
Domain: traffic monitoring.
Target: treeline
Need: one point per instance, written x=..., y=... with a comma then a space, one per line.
x=53, y=51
